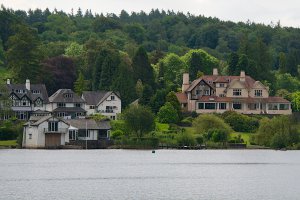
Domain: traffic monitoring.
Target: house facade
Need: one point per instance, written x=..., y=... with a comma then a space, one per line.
x=107, y=103
x=45, y=132
x=88, y=129
x=217, y=94
x=26, y=98
x=65, y=103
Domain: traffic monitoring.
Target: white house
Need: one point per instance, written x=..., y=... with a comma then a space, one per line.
x=45, y=132
x=107, y=103
x=66, y=104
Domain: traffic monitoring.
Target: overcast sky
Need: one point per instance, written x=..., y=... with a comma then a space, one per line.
x=260, y=11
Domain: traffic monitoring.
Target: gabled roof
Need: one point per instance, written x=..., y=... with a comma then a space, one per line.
x=43, y=95
x=182, y=97
x=97, y=97
x=211, y=79
x=58, y=97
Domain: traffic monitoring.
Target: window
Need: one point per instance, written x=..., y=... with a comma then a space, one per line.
x=109, y=109
x=112, y=98
x=52, y=126
x=68, y=95
x=60, y=105
x=92, y=107
x=113, y=117
x=61, y=114
x=79, y=114
x=25, y=102
x=237, y=92
x=210, y=106
x=197, y=92
x=253, y=106
x=284, y=106
x=258, y=93
x=237, y=106
x=206, y=92
x=222, y=85
x=78, y=105
x=73, y=134
x=30, y=136
x=201, y=106
x=222, y=95
x=273, y=106
x=222, y=106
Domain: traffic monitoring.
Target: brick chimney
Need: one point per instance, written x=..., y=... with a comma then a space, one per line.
x=215, y=72
x=27, y=84
x=185, y=82
x=243, y=76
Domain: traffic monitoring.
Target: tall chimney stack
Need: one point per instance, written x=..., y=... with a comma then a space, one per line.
x=243, y=76
x=215, y=72
x=185, y=82
x=27, y=85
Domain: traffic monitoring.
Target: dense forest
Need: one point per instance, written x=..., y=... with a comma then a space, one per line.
x=143, y=55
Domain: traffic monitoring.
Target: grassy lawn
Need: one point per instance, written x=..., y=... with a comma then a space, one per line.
x=8, y=143
x=245, y=136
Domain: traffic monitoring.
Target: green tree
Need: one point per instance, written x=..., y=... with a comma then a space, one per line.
x=146, y=95
x=74, y=50
x=136, y=32
x=172, y=98
x=23, y=54
x=142, y=68
x=167, y=114
x=80, y=84
x=205, y=122
x=124, y=81
x=233, y=63
x=139, y=120
x=296, y=101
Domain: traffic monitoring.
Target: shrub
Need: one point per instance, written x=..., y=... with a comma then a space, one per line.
x=116, y=135
x=205, y=122
x=167, y=114
x=240, y=122
x=185, y=139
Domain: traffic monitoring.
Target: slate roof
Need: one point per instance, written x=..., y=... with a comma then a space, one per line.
x=88, y=123
x=59, y=96
x=69, y=109
x=96, y=97
x=32, y=96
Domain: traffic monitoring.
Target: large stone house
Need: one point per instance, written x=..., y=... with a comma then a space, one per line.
x=66, y=104
x=107, y=103
x=217, y=94
x=26, y=98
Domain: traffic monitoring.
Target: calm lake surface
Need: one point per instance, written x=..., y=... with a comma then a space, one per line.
x=167, y=174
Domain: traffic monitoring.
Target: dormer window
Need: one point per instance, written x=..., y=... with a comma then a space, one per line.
x=222, y=85
x=36, y=92
x=60, y=105
x=68, y=95
x=258, y=93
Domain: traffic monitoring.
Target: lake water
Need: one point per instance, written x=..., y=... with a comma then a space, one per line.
x=167, y=174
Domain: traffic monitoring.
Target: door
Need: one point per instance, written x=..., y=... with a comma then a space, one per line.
x=52, y=140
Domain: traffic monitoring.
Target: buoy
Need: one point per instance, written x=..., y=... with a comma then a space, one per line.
x=153, y=151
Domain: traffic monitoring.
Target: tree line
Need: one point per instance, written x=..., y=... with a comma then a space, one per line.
x=143, y=55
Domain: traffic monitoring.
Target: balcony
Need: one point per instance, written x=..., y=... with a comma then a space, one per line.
x=59, y=130
x=106, y=111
